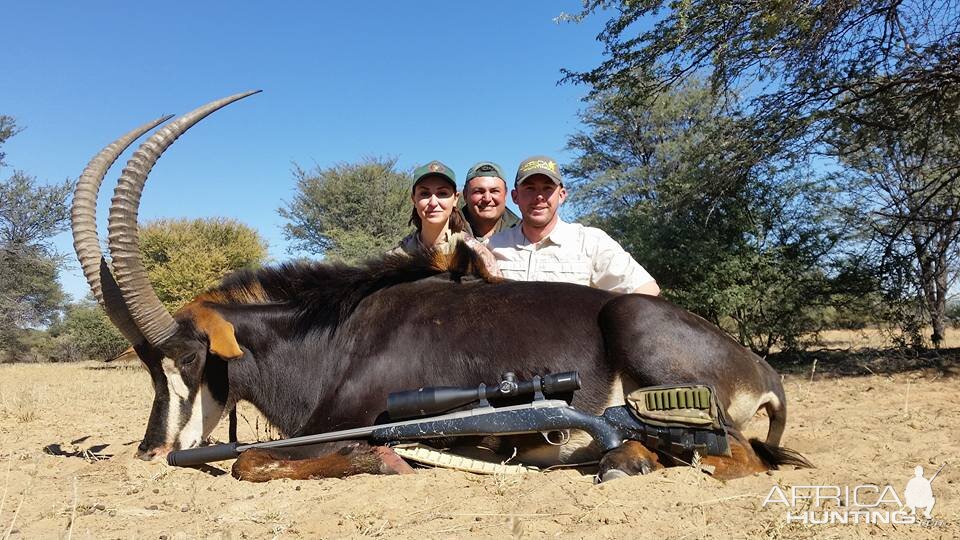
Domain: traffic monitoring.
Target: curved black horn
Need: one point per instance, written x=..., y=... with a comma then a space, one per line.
x=150, y=316
x=86, y=241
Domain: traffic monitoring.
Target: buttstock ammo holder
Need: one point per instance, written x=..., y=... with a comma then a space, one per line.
x=694, y=405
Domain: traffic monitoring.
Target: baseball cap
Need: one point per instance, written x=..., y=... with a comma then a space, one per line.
x=544, y=165
x=484, y=168
x=435, y=168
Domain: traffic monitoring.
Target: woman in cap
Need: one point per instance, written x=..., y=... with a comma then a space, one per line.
x=439, y=223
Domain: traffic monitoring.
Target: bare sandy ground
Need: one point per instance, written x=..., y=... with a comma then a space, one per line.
x=68, y=434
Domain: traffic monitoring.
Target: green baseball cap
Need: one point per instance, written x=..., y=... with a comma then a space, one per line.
x=544, y=165
x=484, y=168
x=435, y=168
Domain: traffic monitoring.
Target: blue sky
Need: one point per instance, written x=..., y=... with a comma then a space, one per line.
x=455, y=81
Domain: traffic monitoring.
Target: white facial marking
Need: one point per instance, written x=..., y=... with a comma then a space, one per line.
x=205, y=412
x=178, y=393
x=204, y=416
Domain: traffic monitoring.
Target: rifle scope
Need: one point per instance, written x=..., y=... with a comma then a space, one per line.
x=438, y=399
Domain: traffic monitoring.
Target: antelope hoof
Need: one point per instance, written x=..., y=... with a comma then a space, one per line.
x=608, y=475
x=628, y=460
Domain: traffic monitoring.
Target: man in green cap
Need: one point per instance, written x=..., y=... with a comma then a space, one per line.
x=485, y=201
x=546, y=248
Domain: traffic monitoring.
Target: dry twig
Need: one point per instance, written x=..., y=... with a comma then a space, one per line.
x=6, y=485
x=16, y=513
x=73, y=514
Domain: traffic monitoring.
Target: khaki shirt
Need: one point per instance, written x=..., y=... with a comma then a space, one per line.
x=411, y=245
x=571, y=253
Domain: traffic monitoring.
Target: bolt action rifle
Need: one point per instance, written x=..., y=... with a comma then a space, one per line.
x=676, y=420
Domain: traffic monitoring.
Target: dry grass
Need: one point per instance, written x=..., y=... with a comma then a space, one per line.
x=876, y=338
x=73, y=511
x=250, y=418
x=16, y=513
x=6, y=487
x=24, y=404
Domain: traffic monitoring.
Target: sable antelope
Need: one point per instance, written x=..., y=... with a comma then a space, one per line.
x=317, y=347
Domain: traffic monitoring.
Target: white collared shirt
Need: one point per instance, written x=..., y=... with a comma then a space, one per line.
x=571, y=253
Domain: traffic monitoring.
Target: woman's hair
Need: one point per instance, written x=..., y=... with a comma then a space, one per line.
x=455, y=222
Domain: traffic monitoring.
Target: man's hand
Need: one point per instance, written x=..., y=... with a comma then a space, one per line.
x=649, y=287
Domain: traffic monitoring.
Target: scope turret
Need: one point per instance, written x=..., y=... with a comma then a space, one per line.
x=439, y=399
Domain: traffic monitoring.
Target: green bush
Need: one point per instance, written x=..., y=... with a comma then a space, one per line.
x=184, y=257
x=87, y=334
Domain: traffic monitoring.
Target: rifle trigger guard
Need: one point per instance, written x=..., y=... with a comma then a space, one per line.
x=556, y=437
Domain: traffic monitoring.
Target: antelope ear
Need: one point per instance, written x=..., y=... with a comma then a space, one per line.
x=223, y=341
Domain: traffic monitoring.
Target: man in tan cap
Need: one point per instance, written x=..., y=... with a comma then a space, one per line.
x=543, y=247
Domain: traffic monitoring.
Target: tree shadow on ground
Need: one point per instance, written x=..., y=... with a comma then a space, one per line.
x=89, y=453
x=861, y=362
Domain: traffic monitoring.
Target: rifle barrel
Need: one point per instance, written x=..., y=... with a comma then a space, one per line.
x=938, y=472
x=220, y=452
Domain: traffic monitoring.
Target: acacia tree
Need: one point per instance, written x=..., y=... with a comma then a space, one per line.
x=8, y=128
x=802, y=66
x=350, y=211
x=747, y=253
x=904, y=191
x=797, y=74
x=30, y=215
